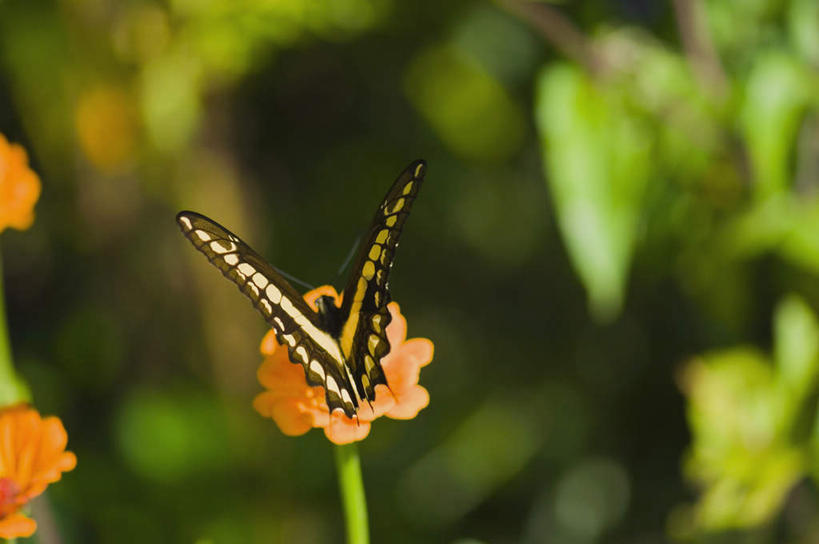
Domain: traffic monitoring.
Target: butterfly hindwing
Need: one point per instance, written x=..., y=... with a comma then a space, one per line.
x=296, y=325
x=363, y=336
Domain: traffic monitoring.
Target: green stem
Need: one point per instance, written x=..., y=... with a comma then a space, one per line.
x=352, y=494
x=10, y=390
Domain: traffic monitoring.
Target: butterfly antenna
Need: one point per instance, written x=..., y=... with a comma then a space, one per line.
x=294, y=279
x=349, y=256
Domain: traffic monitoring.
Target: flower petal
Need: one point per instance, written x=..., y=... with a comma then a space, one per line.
x=403, y=365
x=421, y=350
x=17, y=525
x=269, y=343
x=290, y=419
x=277, y=373
x=51, y=458
x=383, y=403
x=397, y=329
x=343, y=430
x=19, y=187
x=409, y=403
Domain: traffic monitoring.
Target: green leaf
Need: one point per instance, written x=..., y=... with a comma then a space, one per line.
x=775, y=97
x=596, y=158
x=785, y=224
x=796, y=346
x=740, y=453
x=803, y=25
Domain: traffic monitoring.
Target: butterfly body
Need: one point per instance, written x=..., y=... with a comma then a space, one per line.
x=340, y=347
x=330, y=317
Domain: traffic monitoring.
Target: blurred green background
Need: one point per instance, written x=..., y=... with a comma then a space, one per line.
x=616, y=254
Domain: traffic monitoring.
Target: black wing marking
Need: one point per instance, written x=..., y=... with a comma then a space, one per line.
x=296, y=325
x=364, y=311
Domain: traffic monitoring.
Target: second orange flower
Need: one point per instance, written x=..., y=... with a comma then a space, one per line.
x=32, y=455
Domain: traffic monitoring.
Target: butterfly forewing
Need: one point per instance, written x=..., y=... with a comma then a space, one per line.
x=296, y=325
x=363, y=337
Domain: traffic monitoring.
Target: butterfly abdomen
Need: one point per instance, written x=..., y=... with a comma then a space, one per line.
x=330, y=317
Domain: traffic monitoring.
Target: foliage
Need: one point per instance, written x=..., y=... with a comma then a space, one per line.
x=620, y=195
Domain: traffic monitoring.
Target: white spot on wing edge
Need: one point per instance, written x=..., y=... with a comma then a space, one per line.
x=202, y=235
x=316, y=367
x=302, y=353
x=247, y=269
x=332, y=385
x=275, y=295
x=185, y=222
x=259, y=279
x=232, y=259
x=219, y=248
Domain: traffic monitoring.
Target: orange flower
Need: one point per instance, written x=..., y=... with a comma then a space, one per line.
x=19, y=187
x=32, y=455
x=297, y=407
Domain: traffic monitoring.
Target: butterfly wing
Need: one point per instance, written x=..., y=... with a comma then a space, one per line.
x=295, y=324
x=363, y=336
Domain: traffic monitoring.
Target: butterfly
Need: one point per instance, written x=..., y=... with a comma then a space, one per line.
x=340, y=347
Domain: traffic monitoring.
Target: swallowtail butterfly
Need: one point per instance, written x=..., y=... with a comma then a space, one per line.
x=340, y=348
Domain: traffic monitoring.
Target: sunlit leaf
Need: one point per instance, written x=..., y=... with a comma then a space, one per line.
x=796, y=331
x=739, y=452
x=597, y=163
x=775, y=97
x=746, y=416
x=803, y=25
x=785, y=224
